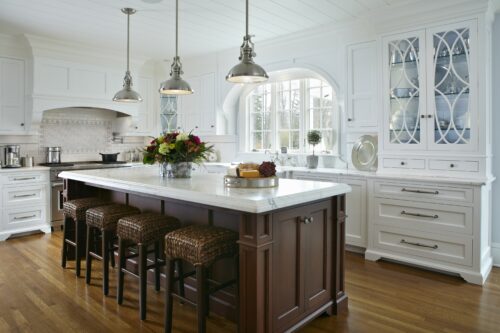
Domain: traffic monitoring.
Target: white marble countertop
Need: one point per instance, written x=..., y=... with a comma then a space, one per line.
x=370, y=174
x=209, y=189
x=24, y=169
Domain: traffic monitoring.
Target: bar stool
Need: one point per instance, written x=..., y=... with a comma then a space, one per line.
x=103, y=219
x=142, y=230
x=74, y=228
x=202, y=246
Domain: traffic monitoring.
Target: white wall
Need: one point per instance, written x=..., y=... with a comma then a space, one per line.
x=496, y=136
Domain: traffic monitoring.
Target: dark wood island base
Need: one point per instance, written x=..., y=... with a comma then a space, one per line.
x=291, y=259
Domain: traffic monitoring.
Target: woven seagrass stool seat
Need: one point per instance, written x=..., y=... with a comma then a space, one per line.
x=101, y=223
x=201, y=246
x=142, y=230
x=74, y=228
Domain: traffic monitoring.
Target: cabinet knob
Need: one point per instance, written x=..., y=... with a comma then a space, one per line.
x=452, y=165
x=136, y=127
x=196, y=127
x=422, y=116
x=429, y=116
x=403, y=163
x=212, y=126
x=349, y=119
x=307, y=220
x=178, y=127
x=22, y=124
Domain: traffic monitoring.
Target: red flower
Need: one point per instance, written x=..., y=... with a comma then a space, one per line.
x=151, y=148
x=152, y=142
x=196, y=139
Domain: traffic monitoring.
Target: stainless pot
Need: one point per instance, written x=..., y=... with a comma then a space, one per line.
x=54, y=155
x=12, y=155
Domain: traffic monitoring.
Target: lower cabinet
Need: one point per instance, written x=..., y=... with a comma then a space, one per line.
x=356, y=202
x=24, y=202
x=303, y=244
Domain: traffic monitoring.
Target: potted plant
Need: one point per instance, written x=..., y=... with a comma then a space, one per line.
x=179, y=150
x=313, y=138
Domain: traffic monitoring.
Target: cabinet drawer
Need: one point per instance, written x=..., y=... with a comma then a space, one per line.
x=404, y=163
x=453, y=165
x=455, y=250
x=464, y=194
x=24, y=177
x=314, y=176
x=24, y=195
x=19, y=218
x=423, y=216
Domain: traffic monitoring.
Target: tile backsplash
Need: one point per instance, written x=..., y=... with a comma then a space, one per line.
x=82, y=133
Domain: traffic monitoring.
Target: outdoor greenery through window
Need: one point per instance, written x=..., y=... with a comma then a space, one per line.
x=281, y=113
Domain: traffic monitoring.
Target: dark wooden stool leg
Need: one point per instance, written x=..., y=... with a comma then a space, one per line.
x=200, y=298
x=78, y=239
x=180, y=275
x=64, y=250
x=121, y=265
x=237, y=291
x=112, y=250
x=105, y=262
x=157, y=265
x=142, y=279
x=169, y=271
x=88, y=257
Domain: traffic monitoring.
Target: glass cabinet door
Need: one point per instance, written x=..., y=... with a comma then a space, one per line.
x=450, y=99
x=404, y=80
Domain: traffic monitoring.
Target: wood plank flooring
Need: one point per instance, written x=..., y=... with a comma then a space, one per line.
x=37, y=295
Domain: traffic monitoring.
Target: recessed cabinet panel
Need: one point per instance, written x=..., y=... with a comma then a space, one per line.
x=356, y=212
x=52, y=79
x=12, y=91
x=88, y=83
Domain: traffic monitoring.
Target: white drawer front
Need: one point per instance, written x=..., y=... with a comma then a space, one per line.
x=404, y=163
x=398, y=190
x=24, y=195
x=423, y=216
x=455, y=250
x=25, y=177
x=19, y=218
x=314, y=176
x=453, y=165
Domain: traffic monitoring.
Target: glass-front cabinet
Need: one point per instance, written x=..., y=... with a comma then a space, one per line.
x=428, y=78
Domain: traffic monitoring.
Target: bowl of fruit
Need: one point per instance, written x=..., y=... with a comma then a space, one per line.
x=252, y=175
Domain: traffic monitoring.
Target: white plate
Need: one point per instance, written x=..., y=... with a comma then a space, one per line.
x=364, y=153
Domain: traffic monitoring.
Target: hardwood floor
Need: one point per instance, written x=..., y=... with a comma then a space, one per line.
x=37, y=295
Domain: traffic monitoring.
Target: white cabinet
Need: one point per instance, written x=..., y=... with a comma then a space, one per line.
x=148, y=115
x=430, y=98
x=24, y=202
x=362, y=110
x=196, y=112
x=12, y=96
x=438, y=225
x=356, y=200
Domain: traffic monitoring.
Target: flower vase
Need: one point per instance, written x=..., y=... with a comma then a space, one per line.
x=165, y=171
x=181, y=170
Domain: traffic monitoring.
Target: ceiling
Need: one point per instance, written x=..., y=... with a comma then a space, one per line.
x=205, y=25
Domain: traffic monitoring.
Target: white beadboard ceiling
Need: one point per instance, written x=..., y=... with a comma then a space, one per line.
x=205, y=25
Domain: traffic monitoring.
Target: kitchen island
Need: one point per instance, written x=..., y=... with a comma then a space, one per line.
x=291, y=240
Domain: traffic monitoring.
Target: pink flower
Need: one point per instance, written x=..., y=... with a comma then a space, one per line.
x=196, y=139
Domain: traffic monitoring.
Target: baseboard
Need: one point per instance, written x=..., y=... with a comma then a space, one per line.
x=495, y=252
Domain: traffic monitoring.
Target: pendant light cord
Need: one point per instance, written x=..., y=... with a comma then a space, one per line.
x=246, y=27
x=128, y=41
x=176, y=27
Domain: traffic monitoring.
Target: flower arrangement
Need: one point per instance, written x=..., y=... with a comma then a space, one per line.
x=175, y=147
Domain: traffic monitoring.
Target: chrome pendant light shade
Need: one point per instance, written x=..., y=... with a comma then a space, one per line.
x=176, y=85
x=127, y=94
x=247, y=71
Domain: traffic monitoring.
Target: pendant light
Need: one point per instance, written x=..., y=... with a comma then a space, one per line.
x=176, y=85
x=127, y=94
x=247, y=71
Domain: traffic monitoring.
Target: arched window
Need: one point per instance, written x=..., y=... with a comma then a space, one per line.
x=280, y=113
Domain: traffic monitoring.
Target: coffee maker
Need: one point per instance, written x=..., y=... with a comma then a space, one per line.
x=12, y=156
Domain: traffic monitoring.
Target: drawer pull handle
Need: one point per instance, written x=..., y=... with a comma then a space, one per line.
x=307, y=220
x=419, y=191
x=419, y=215
x=24, y=195
x=403, y=241
x=25, y=178
x=23, y=217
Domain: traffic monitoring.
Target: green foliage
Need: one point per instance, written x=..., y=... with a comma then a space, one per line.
x=313, y=138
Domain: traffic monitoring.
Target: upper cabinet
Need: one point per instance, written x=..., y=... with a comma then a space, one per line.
x=196, y=112
x=362, y=110
x=429, y=91
x=12, y=96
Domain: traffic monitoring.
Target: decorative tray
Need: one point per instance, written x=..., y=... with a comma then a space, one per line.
x=237, y=182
